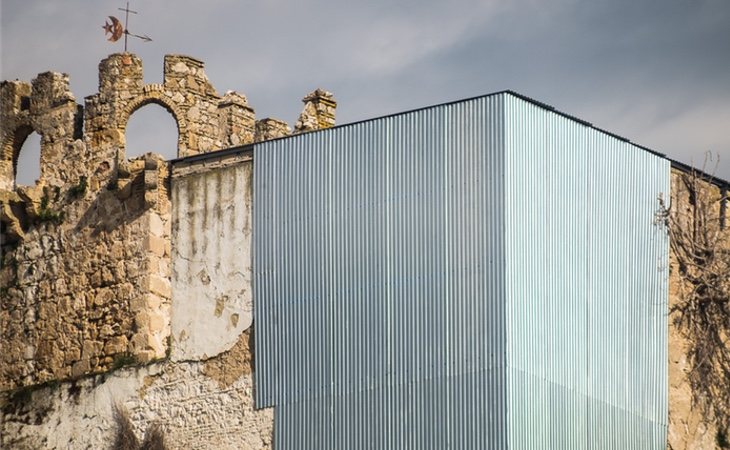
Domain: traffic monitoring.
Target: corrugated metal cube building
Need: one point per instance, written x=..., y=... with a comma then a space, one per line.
x=480, y=274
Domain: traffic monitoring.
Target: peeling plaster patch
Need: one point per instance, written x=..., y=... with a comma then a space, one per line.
x=229, y=366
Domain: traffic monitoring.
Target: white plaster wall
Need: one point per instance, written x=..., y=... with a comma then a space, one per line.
x=212, y=301
x=195, y=412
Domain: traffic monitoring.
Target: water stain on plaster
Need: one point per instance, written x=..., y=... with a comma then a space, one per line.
x=204, y=277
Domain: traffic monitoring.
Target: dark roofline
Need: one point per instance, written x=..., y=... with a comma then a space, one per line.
x=241, y=149
x=675, y=164
x=686, y=168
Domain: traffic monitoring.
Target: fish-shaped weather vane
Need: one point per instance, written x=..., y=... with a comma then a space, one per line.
x=115, y=30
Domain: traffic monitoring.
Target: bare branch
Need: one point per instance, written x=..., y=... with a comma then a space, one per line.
x=700, y=248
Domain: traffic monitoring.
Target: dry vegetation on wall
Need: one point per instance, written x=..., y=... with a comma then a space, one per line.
x=700, y=247
x=125, y=439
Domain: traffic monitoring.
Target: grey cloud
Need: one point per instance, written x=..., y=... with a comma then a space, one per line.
x=654, y=71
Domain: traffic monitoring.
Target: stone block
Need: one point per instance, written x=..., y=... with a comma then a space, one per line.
x=138, y=303
x=157, y=226
x=106, y=331
x=142, y=320
x=160, y=286
x=103, y=296
x=117, y=251
x=138, y=343
x=125, y=291
x=155, y=245
x=80, y=368
x=156, y=344
x=71, y=355
x=91, y=349
x=47, y=311
x=158, y=321
x=163, y=268
x=152, y=301
x=145, y=356
x=115, y=345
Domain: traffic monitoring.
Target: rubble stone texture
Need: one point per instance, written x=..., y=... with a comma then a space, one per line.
x=84, y=286
x=85, y=265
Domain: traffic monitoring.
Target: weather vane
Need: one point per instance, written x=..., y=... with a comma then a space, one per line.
x=116, y=30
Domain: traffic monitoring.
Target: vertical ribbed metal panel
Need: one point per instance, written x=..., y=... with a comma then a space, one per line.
x=379, y=282
x=483, y=274
x=586, y=280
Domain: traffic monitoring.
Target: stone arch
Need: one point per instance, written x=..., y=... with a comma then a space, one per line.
x=11, y=146
x=154, y=95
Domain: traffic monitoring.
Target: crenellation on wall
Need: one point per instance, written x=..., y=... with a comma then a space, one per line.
x=237, y=120
x=120, y=74
x=318, y=113
x=47, y=106
x=50, y=90
x=15, y=95
x=185, y=72
x=185, y=93
x=270, y=128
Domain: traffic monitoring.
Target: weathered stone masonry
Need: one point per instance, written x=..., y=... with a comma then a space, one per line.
x=86, y=275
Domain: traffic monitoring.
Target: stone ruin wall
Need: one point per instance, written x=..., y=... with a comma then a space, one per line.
x=85, y=274
x=80, y=293
x=87, y=287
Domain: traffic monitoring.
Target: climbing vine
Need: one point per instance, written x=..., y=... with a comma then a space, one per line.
x=700, y=250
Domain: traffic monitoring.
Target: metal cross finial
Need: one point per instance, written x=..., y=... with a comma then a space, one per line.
x=126, y=24
x=116, y=30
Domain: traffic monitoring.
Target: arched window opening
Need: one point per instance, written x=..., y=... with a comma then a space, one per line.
x=151, y=129
x=28, y=164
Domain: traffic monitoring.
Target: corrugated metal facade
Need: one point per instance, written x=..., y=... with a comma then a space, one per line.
x=417, y=285
x=586, y=286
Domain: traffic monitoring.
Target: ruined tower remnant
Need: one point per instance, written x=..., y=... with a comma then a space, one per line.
x=48, y=107
x=87, y=262
x=86, y=250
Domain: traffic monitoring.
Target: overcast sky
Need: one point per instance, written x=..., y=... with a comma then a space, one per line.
x=655, y=72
